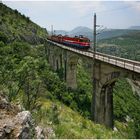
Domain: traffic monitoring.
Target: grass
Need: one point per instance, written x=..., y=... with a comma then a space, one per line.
x=71, y=125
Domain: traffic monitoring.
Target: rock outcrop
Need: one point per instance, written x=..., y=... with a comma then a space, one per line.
x=16, y=124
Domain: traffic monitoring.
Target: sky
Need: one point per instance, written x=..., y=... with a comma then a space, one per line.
x=66, y=15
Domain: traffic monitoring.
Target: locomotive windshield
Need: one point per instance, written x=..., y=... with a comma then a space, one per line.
x=84, y=40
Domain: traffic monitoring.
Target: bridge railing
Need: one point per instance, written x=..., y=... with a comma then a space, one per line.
x=125, y=63
x=117, y=61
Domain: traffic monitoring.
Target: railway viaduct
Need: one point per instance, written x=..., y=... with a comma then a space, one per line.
x=107, y=70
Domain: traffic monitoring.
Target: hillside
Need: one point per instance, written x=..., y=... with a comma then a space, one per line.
x=114, y=33
x=135, y=27
x=69, y=124
x=127, y=46
x=16, y=26
x=27, y=79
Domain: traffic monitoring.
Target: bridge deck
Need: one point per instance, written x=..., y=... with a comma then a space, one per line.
x=113, y=60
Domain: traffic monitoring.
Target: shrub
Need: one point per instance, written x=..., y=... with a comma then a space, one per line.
x=3, y=37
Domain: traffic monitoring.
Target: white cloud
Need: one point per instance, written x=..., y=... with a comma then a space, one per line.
x=85, y=7
x=69, y=14
x=134, y=4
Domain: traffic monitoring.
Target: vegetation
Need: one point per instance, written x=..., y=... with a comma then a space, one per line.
x=126, y=103
x=127, y=107
x=126, y=46
x=69, y=124
x=26, y=77
x=18, y=27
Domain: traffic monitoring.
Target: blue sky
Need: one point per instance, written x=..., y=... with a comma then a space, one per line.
x=66, y=15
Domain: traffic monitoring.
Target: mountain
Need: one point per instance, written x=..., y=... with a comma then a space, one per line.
x=126, y=45
x=113, y=33
x=108, y=33
x=81, y=31
x=134, y=27
x=62, y=32
x=17, y=26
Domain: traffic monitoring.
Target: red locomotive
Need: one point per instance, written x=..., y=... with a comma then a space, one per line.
x=76, y=42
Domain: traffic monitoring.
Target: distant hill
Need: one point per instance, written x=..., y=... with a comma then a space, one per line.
x=81, y=31
x=16, y=26
x=62, y=32
x=127, y=46
x=75, y=32
x=113, y=33
x=109, y=33
x=135, y=27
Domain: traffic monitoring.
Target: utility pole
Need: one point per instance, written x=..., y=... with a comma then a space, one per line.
x=94, y=37
x=52, y=29
x=93, y=102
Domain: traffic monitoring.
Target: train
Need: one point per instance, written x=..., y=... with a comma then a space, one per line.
x=78, y=42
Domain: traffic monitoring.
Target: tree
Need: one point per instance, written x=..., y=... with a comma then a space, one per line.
x=28, y=75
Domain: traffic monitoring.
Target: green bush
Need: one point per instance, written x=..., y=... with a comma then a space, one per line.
x=127, y=104
x=3, y=37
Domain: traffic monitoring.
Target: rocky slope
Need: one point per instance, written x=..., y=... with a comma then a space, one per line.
x=16, y=123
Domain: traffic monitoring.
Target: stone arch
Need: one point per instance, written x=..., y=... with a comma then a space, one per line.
x=106, y=102
x=54, y=57
x=102, y=105
x=104, y=79
x=71, y=71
